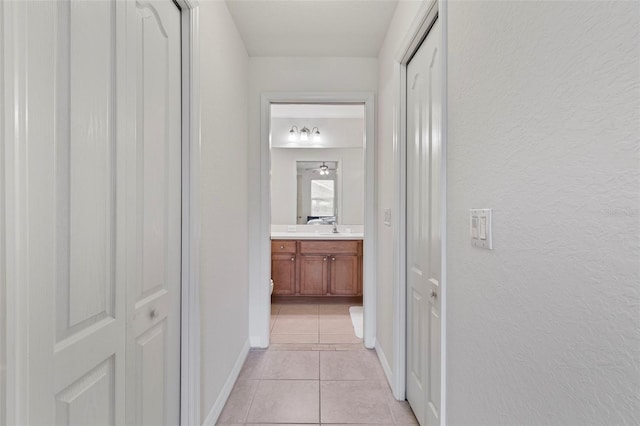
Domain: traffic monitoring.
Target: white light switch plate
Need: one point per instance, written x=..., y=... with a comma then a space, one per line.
x=480, y=228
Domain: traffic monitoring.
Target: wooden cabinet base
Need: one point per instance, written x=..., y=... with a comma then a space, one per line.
x=318, y=268
x=355, y=300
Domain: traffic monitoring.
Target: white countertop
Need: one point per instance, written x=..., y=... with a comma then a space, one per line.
x=317, y=236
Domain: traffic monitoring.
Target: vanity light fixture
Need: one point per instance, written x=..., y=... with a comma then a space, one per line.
x=303, y=134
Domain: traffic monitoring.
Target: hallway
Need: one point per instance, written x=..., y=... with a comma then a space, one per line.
x=316, y=371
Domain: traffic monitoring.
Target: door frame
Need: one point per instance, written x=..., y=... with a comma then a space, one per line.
x=13, y=303
x=190, y=262
x=259, y=291
x=420, y=27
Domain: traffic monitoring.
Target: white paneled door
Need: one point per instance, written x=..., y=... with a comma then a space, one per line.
x=154, y=161
x=94, y=184
x=424, y=253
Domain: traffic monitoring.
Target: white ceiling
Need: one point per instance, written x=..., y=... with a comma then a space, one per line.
x=317, y=111
x=312, y=27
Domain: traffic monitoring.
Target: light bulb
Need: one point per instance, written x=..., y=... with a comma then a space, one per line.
x=293, y=134
x=304, y=134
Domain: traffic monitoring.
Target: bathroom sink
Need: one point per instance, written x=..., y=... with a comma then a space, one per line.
x=327, y=235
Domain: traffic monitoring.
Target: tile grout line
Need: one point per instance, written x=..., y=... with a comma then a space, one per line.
x=253, y=395
x=319, y=390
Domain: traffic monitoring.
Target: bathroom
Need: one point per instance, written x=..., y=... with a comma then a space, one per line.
x=317, y=223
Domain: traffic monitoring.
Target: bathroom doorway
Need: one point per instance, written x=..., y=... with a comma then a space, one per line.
x=316, y=221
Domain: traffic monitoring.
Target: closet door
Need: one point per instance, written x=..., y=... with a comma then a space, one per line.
x=154, y=223
x=94, y=177
x=424, y=245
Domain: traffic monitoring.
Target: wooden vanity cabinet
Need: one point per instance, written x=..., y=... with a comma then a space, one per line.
x=320, y=268
x=283, y=267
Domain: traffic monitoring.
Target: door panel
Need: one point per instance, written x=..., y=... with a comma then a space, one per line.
x=313, y=274
x=85, y=166
x=70, y=214
x=153, y=357
x=283, y=271
x=90, y=399
x=344, y=275
x=424, y=253
x=89, y=314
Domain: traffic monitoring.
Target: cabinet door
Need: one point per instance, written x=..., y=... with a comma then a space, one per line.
x=344, y=275
x=313, y=274
x=283, y=273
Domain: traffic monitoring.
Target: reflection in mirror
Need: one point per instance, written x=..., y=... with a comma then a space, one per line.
x=317, y=192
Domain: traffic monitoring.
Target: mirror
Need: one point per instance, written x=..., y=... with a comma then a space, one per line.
x=317, y=201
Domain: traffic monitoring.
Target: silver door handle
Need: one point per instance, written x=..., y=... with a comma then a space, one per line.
x=152, y=313
x=434, y=295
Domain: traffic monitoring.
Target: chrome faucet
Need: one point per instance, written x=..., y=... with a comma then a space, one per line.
x=335, y=227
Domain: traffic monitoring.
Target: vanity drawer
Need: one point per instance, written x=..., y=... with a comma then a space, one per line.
x=330, y=247
x=283, y=246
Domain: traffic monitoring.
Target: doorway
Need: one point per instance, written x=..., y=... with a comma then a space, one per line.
x=317, y=221
x=260, y=290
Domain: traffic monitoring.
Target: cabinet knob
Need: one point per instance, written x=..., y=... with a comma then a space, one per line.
x=324, y=259
x=281, y=247
x=293, y=258
x=333, y=258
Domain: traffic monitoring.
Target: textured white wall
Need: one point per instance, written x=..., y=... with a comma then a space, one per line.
x=288, y=74
x=544, y=128
x=223, y=198
x=284, y=193
x=387, y=94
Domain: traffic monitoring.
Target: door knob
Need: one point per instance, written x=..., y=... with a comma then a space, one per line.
x=434, y=295
x=152, y=313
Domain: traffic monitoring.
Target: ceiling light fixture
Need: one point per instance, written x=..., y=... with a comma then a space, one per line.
x=303, y=134
x=324, y=169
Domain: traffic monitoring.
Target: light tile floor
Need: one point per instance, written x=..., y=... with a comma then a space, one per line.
x=316, y=371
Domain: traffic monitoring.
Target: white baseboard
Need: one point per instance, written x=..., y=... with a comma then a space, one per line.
x=385, y=364
x=213, y=415
x=258, y=342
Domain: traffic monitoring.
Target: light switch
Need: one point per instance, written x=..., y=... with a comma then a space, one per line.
x=387, y=217
x=474, y=227
x=481, y=228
